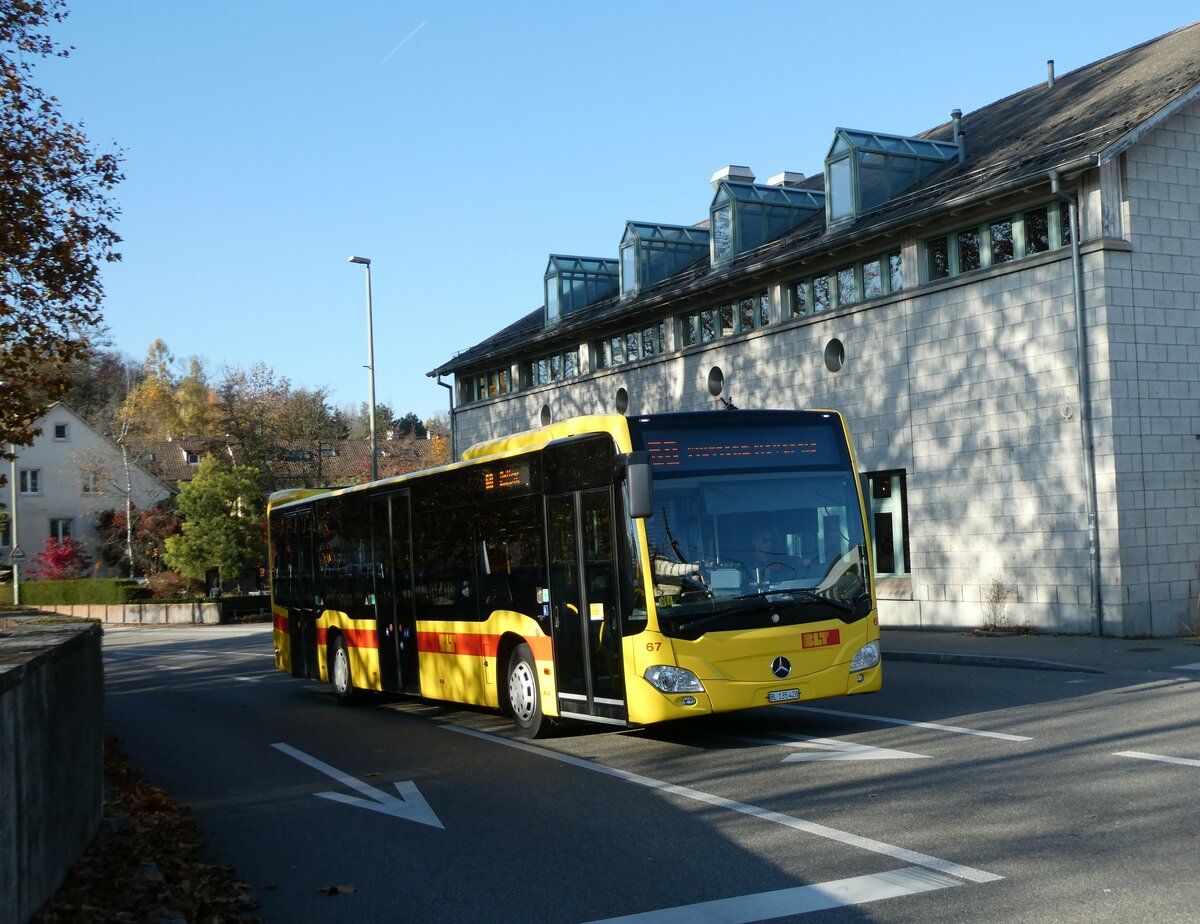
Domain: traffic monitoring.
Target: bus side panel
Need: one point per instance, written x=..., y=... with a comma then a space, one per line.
x=362, y=645
x=460, y=661
x=282, y=638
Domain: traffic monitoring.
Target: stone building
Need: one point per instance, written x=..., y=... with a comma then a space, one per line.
x=1004, y=306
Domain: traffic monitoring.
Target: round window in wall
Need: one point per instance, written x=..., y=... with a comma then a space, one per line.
x=835, y=355
x=716, y=381
x=622, y=401
x=546, y=415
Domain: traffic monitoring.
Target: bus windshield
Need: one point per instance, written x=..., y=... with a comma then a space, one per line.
x=765, y=510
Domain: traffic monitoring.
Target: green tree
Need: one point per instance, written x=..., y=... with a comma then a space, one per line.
x=56, y=222
x=222, y=511
x=270, y=423
x=410, y=425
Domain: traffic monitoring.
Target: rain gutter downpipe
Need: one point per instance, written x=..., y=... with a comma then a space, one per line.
x=450, y=388
x=1085, y=403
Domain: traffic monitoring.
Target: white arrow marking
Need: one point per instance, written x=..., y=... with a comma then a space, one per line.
x=411, y=805
x=832, y=749
x=1142, y=755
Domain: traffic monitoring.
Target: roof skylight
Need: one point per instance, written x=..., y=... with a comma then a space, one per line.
x=651, y=253
x=573, y=283
x=866, y=169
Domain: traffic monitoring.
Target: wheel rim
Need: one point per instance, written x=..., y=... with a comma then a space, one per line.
x=341, y=670
x=522, y=692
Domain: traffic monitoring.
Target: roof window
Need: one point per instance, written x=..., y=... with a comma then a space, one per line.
x=747, y=215
x=866, y=169
x=573, y=283
x=651, y=253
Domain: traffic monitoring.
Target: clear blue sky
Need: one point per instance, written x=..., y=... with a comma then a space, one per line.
x=458, y=144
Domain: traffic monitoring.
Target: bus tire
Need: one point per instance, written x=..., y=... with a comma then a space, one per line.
x=339, y=672
x=524, y=693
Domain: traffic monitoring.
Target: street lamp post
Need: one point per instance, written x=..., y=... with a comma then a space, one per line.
x=366, y=261
x=14, y=560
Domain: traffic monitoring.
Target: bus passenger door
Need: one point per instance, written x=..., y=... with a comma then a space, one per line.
x=303, y=612
x=584, y=605
x=394, y=620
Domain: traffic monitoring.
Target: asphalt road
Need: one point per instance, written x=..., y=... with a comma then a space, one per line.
x=959, y=793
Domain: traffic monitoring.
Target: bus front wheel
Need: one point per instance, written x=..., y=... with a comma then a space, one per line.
x=339, y=672
x=524, y=694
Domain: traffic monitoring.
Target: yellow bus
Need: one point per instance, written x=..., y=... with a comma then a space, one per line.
x=621, y=570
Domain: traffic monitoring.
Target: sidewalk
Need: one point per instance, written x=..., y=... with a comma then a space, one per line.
x=1180, y=656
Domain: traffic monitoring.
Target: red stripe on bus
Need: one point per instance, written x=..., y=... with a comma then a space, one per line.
x=281, y=623
x=458, y=643
x=477, y=645
x=355, y=638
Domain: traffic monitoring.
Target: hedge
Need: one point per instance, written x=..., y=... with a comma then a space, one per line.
x=88, y=590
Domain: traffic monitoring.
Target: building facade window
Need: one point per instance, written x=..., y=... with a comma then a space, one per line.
x=5, y=535
x=486, y=385
x=737, y=317
x=629, y=346
x=60, y=529
x=31, y=481
x=61, y=433
x=193, y=458
x=553, y=368
x=889, y=522
x=871, y=278
x=996, y=241
x=91, y=484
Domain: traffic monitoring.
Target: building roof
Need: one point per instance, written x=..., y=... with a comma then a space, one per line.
x=1084, y=118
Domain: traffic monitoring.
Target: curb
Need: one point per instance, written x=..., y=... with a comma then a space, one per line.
x=937, y=657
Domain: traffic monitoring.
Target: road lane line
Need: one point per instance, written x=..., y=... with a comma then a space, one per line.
x=1188, y=667
x=763, y=906
x=1142, y=755
x=799, y=824
x=956, y=729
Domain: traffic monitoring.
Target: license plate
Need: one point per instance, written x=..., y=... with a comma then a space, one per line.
x=783, y=696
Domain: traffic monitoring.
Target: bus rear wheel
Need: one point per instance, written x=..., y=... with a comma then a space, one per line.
x=524, y=694
x=339, y=672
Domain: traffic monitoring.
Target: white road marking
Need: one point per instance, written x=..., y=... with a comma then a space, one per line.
x=1188, y=667
x=821, y=896
x=799, y=824
x=411, y=805
x=1142, y=755
x=887, y=720
x=832, y=749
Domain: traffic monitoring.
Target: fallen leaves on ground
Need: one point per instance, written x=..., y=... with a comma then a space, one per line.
x=146, y=863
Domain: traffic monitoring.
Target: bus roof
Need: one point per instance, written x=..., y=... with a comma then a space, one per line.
x=612, y=424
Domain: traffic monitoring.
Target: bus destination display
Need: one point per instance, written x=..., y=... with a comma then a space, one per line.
x=763, y=448
x=506, y=478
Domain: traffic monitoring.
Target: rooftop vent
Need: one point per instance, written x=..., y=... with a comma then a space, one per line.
x=786, y=178
x=734, y=174
x=1050, y=74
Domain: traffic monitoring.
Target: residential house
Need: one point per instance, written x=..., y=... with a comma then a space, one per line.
x=69, y=475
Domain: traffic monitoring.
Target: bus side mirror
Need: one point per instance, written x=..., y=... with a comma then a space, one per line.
x=637, y=478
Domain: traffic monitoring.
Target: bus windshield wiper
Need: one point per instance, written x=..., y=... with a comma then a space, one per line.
x=806, y=593
x=741, y=603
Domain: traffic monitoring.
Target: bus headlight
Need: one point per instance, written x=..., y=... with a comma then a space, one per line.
x=667, y=679
x=867, y=656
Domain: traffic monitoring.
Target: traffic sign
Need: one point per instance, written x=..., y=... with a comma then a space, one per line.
x=16, y=556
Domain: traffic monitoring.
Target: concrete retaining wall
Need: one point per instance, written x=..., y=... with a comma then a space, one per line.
x=51, y=756
x=143, y=614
